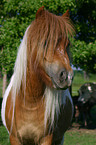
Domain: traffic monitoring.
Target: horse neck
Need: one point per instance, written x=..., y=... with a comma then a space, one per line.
x=34, y=88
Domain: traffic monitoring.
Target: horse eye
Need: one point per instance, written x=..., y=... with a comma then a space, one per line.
x=45, y=43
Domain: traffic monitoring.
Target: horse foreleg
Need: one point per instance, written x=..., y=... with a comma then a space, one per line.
x=46, y=140
x=14, y=140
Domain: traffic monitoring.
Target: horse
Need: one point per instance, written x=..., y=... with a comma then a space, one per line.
x=37, y=107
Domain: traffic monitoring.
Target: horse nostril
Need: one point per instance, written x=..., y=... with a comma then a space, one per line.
x=62, y=76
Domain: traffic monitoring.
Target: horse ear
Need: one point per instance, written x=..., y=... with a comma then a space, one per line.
x=39, y=12
x=66, y=14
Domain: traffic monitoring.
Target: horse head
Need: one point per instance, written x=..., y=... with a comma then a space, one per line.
x=51, y=49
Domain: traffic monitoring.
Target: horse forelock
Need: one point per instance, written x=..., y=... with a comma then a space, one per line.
x=45, y=33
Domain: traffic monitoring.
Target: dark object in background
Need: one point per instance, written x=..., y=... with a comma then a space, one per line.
x=83, y=103
x=87, y=93
x=86, y=100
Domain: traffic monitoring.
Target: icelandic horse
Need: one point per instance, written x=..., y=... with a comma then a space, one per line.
x=37, y=107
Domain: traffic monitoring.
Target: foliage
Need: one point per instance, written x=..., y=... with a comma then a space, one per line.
x=85, y=20
x=9, y=42
x=84, y=55
x=16, y=15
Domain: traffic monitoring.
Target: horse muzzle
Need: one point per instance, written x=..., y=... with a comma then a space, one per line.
x=62, y=79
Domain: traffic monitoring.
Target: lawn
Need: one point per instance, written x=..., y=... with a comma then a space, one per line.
x=80, y=137
x=73, y=136
x=4, y=137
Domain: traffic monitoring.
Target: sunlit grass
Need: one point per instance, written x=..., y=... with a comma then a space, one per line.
x=76, y=137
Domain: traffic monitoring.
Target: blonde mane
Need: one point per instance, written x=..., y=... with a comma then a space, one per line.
x=19, y=75
x=53, y=100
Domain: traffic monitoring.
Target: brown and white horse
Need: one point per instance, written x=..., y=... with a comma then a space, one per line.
x=37, y=107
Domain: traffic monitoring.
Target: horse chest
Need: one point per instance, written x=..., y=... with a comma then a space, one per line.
x=29, y=123
x=29, y=132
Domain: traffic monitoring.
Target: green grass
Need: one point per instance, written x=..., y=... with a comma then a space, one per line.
x=4, y=137
x=80, y=138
